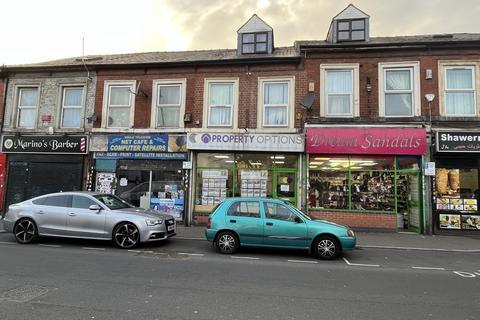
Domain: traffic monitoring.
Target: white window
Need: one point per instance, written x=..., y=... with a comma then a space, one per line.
x=118, y=108
x=221, y=98
x=169, y=103
x=460, y=91
x=399, y=91
x=27, y=107
x=339, y=90
x=276, y=102
x=72, y=107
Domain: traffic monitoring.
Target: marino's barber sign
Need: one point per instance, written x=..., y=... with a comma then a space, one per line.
x=45, y=144
x=458, y=141
x=346, y=140
x=246, y=142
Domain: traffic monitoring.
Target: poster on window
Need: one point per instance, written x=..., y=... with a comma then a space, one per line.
x=253, y=183
x=105, y=182
x=471, y=222
x=214, y=186
x=449, y=221
x=447, y=182
x=173, y=207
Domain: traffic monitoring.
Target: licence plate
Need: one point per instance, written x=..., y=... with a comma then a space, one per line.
x=170, y=228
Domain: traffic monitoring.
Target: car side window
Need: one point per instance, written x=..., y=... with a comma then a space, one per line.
x=39, y=201
x=278, y=212
x=57, y=201
x=249, y=209
x=82, y=202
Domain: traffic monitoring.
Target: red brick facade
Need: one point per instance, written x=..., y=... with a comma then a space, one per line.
x=248, y=89
x=359, y=220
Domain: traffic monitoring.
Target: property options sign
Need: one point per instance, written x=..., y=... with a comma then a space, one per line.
x=346, y=140
x=246, y=142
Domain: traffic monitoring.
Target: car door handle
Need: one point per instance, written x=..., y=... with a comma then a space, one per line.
x=269, y=223
x=40, y=212
x=233, y=221
x=72, y=214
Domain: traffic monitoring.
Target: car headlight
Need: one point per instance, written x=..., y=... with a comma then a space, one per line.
x=350, y=233
x=151, y=222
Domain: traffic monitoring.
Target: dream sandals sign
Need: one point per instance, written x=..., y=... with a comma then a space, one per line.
x=45, y=144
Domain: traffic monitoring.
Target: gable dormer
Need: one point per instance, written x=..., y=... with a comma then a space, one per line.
x=255, y=37
x=352, y=24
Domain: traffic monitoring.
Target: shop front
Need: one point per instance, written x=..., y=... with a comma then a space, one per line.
x=366, y=177
x=38, y=165
x=146, y=170
x=456, y=189
x=243, y=165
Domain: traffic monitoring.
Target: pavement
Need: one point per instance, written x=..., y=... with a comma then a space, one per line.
x=381, y=240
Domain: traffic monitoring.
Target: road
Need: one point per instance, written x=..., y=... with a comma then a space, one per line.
x=186, y=279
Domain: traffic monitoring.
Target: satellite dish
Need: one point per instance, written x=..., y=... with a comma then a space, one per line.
x=307, y=101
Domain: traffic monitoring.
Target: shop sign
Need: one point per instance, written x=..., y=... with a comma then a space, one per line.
x=458, y=141
x=246, y=142
x=341, y=140
x=142, y=155
x=45, y=144
x=147, y=146
x=429, y=168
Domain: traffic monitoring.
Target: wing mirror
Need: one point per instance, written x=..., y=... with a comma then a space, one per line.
x=95, y=207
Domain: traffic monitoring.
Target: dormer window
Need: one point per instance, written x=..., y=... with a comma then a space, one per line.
x=254, y=42
x=351, y=30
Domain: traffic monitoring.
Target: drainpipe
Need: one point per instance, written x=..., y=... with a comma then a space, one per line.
x=4, y=103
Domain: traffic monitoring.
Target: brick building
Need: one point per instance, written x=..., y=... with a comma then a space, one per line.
x=371, y=128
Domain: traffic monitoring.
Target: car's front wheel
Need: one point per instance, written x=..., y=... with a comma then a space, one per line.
x=126, y=235
x=25, y=231
x=227, y=242
x=326, y=248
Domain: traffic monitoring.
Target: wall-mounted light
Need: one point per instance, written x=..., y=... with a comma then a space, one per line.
x=369, y=85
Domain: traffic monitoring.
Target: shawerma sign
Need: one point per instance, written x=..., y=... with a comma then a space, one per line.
x=45, y=144
x=458, y=141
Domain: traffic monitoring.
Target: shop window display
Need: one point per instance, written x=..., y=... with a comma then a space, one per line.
x=456, y=198
x=361, y=183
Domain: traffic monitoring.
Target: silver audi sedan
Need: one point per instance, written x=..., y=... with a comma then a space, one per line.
x=88, y=215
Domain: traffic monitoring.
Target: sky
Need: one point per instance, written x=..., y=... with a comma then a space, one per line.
x=42, y=30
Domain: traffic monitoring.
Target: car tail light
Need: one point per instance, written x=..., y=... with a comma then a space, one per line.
x=209, y=223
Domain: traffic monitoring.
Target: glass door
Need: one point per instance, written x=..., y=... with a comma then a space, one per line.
x=285, y=185
x=409, y=203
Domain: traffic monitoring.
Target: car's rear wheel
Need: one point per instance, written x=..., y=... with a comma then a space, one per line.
x=326, y=248
x=25, y=231
x=126, y=235
x=227, y=242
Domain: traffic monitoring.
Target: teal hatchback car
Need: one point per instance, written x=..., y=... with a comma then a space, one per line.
x=259, y=222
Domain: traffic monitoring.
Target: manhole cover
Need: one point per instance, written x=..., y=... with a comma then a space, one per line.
x=24, y=293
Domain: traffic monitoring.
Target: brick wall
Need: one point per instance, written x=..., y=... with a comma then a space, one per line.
x=2, y=106
x=359, y=220
x=368, y=62
x=248, y=89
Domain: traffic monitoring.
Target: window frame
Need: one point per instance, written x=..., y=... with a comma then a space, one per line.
x=156, y=103
x=255, y=42
x=473, y=90
x=207, y=107
x=290, y=123
x=18, y=93
x=354, y=101
x=63, y=88
x=350, y=29
x=108, y=85
x=414, y=68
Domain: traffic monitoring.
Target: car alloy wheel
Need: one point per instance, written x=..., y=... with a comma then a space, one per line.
x=326, y=248
x=25, y=231
x=227, y=242
x=126, y=235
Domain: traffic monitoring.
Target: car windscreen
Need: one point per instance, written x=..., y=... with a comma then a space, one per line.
x=301, y=213
x=113, y=202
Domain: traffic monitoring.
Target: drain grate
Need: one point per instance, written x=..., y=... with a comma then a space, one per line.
x=24, y=293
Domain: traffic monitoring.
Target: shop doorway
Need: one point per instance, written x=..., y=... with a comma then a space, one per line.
x=152, y=184
x=409, y=202
x=285, y=185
